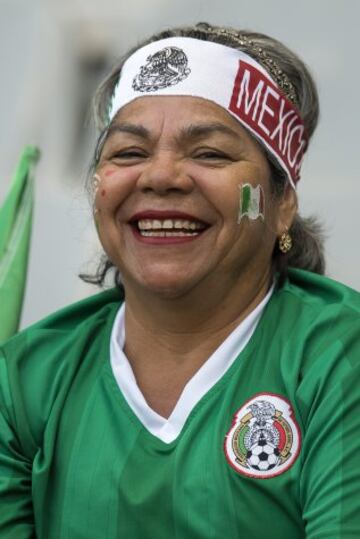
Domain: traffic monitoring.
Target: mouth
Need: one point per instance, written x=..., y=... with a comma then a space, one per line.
x=169, y=225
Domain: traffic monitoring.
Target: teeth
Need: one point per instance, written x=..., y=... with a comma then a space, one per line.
x=155, y=224
x=169, y=224
x=166, y=234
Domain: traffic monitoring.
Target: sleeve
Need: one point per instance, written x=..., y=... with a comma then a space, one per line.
x=330, y=477
x=16, y=513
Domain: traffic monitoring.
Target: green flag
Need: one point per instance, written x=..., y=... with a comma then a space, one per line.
x=15, y=231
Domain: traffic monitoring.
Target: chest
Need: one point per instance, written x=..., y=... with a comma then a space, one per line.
x=162, y=390
x=109, y=477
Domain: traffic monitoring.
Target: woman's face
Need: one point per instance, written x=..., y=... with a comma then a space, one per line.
x=171, y=172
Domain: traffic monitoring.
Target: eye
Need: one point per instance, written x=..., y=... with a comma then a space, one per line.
x=211, y=155
x=128, y=154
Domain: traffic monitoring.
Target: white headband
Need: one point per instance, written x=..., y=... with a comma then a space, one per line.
x=228, y=77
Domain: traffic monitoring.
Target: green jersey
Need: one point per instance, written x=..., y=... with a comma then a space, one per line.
x=271, y=449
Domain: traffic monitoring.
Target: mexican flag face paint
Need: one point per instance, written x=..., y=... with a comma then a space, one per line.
x=252, y=203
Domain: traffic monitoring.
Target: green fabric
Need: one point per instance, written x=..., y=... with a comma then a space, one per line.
x=15, y=230
x=76, y=463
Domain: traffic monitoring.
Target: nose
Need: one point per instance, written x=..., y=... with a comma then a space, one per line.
x=165, y=173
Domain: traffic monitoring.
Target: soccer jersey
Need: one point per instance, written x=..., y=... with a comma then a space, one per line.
x=272, y=449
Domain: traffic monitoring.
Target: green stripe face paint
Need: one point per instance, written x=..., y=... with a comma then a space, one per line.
x=251, y=202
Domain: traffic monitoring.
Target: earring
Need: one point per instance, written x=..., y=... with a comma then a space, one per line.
x=285, y=242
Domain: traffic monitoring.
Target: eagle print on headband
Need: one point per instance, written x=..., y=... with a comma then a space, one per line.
x=184, y=66
x=165, y=68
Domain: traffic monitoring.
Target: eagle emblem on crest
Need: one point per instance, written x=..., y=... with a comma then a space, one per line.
x=264, y=439
x=164, y=68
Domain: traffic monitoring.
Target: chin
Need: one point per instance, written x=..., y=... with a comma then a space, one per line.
x=166, y=286
x=166, y=289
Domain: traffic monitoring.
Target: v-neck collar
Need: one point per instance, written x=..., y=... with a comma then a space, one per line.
x=168, y=429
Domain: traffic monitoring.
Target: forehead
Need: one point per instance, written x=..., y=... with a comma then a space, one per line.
x=175, y=111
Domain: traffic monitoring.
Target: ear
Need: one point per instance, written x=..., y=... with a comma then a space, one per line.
x=287, y=208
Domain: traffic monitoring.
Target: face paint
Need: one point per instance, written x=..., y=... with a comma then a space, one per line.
x=96, y=182
x=109, y=173
x=252, y=202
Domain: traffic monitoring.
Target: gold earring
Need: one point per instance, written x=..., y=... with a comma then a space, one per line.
x=285, y=242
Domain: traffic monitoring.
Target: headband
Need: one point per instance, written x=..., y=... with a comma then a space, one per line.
x=230, y=78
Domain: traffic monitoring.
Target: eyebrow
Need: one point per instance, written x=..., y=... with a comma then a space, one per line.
x=206, y=129
x=132, y=129
x=193, y=131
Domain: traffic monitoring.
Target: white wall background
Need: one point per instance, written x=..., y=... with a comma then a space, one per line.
x=51, y=56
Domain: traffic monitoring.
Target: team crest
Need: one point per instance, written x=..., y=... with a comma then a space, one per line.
x=165, y=68
x=264, y=439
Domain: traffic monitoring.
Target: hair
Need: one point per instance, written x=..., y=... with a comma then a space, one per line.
x=294, y=78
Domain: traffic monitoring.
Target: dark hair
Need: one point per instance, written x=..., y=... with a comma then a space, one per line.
x=294, y=78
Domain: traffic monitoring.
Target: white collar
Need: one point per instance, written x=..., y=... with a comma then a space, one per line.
x=203, y=380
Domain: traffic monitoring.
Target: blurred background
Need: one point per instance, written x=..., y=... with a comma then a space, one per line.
x=54, y=53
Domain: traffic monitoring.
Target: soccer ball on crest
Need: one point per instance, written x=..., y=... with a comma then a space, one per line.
x=262, y=456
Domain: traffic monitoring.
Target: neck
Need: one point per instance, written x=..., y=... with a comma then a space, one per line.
x=197, y=317
x=169, y=339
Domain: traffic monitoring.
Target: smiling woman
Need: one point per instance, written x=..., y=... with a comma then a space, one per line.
x=183, y=152
x=216, y=380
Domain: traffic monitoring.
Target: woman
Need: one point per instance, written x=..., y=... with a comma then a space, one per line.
x=218, y=400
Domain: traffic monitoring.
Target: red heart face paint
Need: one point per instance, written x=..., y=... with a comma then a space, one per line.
x=109, y=172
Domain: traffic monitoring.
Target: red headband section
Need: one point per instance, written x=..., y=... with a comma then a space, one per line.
x=260, y=105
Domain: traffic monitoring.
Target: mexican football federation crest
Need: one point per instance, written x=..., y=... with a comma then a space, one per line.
x=164, y=68
x=264, y=439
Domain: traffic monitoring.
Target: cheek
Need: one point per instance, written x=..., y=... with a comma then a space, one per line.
x=219, y=187
x=109, y=171
x=115, y=185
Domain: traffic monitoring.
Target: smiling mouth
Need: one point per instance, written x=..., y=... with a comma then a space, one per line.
x=166, y=226
x=169, y=228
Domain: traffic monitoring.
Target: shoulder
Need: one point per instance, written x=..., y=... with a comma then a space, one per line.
x=41, y=363
x=317, y=305
x=67, y=322
x=318, y=290
x=315, y=327
x=313, y=324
